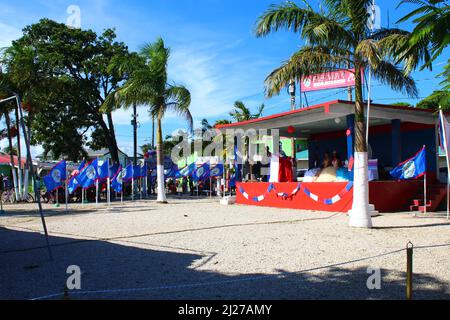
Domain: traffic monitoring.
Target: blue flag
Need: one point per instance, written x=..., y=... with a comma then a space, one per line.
x=103, y=171
x=55, y=179
x=117, y=181
x=144, y=171
x=202, y=173
x=73, y=184
x=187, y=171
x=82, y=165
x=171, y=173
x=217, y=171
x=413, y=168
x=89, y=175
x=136, y=172
x=128, y=173
x=113, y=170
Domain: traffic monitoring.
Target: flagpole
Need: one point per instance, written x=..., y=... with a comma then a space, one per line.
x=67, y=192
x=108, y=186
x=444, y=131
x=82, y=196
x=425, y=192
x=57, y=198
x=96, y=193
x=108, y=189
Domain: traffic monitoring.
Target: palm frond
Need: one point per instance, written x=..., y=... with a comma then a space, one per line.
x=307, y=61
x=287, y=16
x=178, y=99
x=391, y=75
x=370, y=50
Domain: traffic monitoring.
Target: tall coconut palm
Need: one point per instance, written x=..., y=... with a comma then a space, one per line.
x=148, y=85
x=337, y=36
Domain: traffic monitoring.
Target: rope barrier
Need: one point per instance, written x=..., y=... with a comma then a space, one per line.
x=224, y=282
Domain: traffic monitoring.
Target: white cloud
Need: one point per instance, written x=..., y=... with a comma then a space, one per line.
x=8, y=34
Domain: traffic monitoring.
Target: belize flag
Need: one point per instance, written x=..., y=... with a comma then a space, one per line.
x=73, y=185
x=217, y=171
x=117, y=181
x=136, y=172
x=89, y=175
x=413, y=168
x=127, y=173
x=444, y=133
x=82, y=165
x=56, y=177
x=186, y=171
x=103, y=171
x=202, y=173
x=143, y=171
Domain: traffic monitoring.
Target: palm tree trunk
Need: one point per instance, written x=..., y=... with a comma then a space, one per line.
x=19, y=152
x=11, y=156
x=113, y=149
x=160, y=162
x=153, y=132
x=360, y=215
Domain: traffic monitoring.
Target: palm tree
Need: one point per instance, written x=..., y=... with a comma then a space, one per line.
x=432, y=19
x=338, y=36
x=242, y=113
x=148, y=85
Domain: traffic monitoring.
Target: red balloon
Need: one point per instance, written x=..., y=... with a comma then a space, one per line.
x=291, y=130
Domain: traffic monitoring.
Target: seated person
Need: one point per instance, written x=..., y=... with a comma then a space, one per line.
x=328, y=173
x=311, y=175
x=342, y=173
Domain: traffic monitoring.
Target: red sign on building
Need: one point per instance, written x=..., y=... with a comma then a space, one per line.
x=329, y=80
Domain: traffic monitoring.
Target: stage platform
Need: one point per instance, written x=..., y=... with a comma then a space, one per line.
x=386, y=196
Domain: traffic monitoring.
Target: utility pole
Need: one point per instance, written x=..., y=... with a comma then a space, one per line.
x=135, y=138
x=292, y=92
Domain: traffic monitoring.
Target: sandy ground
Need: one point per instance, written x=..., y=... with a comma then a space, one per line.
x=198, y=249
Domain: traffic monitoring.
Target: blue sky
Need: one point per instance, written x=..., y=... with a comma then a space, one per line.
x=214, y=51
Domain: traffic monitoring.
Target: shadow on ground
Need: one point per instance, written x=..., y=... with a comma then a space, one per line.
x=171, y=275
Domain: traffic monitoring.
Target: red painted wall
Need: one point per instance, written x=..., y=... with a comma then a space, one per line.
x=387, y=196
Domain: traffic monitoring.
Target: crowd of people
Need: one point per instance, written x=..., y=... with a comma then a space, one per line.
x=332, y=170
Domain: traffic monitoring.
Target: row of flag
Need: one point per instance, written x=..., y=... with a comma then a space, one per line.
x=88, y=174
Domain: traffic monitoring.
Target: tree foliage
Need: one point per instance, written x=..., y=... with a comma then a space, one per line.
x=65, y=75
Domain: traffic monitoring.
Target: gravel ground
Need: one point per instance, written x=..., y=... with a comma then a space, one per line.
x=198, y=249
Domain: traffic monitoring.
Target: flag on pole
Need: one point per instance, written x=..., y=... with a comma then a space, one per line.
x=82, y=165
x=73, y=185
x=128, y=173
x=169, y=173
x=89, y=175
x=202, y=173
x=187, y=171
x=217, y=171
x=117, y=181
x=57, y=176
x=144, y=171
x=103, y=171
x=412, y=168
x=444, y=133
x=136, y=172
x=444, y=130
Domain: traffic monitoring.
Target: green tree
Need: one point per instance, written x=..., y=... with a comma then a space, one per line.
x=338, y=37
x=436, y=100
x=148, y=85
x=432, y=27
x=71, y=76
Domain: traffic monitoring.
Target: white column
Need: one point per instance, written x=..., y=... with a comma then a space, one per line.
x=360, y=216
